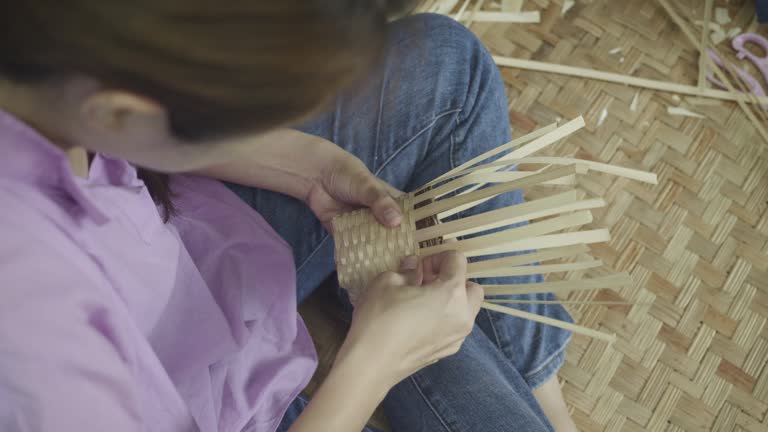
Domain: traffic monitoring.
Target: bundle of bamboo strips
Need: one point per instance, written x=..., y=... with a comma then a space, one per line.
x=365, y=248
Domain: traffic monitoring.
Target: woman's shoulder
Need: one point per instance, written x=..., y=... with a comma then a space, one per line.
x=38, y=249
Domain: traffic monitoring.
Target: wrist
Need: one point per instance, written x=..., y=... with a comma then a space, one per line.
x=367, y=365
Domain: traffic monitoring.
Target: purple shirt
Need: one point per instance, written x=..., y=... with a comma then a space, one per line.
x=111, y=320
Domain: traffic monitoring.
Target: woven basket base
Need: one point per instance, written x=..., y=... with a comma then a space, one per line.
x=365, y=248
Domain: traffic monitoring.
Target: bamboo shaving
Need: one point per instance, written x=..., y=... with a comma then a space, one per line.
x=678, y=111
x=567, y=5
x=603, y=116
x=722, y=16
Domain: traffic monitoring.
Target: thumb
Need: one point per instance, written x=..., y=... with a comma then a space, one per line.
x=475, y=295
x=374, y=195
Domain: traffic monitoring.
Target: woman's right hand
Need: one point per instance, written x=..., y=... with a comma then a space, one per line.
x=414, y=317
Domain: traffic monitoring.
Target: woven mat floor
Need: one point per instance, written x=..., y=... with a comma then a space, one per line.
x=691, y=352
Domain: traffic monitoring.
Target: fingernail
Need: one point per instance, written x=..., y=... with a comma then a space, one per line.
x=392, y=216
x=409, y=263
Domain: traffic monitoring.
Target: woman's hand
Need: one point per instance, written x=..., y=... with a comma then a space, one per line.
x=345, y=183
x=327, y=178
x=412, y=318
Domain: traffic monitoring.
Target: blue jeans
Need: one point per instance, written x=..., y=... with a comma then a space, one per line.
x=437, y=101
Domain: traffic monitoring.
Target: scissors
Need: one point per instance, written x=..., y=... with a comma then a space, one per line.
x=761, y=63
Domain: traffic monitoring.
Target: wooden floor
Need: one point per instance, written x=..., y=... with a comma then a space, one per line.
x=691, y=353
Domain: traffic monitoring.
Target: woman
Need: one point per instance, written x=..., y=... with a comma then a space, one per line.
x=119, y=315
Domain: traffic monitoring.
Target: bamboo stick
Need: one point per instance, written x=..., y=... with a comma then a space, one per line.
x=550, y=321
x=482, y=178
x=580, y=169
x=624, y=79
x=523, y=151
x=563, y=302
x=502, y=148
x=546, y=242
x=528, y=17
x=537, y=269
x=476, y=267
x=460, y=13
x=471, y=20
x=526, y=232
x=569, y=207
x=497, y=176
x=633, y=174
x=546, y=140
x=507, y=215
x=511, y=5
x=613, y=281
x=575, y=206
x=449, y=203
x=704, y=43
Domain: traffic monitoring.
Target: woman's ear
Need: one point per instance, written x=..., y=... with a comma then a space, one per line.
x=115, y=110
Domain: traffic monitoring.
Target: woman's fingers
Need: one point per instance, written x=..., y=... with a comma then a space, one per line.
x=372, y=193
x=448, y=266
x=411, y=269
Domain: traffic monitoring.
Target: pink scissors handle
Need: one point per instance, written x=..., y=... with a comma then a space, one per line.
x=742, y=52
x=752, y=82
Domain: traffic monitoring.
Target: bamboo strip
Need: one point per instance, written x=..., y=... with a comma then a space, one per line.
x=546, y=242
x=480, y=178
x=563, y=181
x=529, y=149
x=633, y=174
x=476, y=267
x=563, y=302
x=502, y=148
x=606, y=282
x=704, y=43
x=457, y=209
x=501, y=238
x=538, y=269
x=624, y=79
x=460, y=13
x=546, y=140
x=550, y=321
x=506, y=215
x=449, y=203
x=511, y=5
x=580, y=169
x=573, y=206
x=514, y=175
x=528, y=17
x=478, y=6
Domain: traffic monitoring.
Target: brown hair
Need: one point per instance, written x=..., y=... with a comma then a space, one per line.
x=218, y=66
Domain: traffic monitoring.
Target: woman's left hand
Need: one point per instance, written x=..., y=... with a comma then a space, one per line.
x=327, y=178
x=345, y=183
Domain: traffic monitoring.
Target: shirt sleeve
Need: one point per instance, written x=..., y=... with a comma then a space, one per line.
x=61, y=367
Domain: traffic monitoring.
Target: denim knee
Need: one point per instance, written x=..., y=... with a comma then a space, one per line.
x=461, y=66
x=442, y=34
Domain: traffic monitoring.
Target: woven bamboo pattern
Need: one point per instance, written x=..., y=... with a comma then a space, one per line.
x=691, y=352
x=365, y=248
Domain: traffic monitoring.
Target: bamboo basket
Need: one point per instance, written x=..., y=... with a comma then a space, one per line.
x=365, y=248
